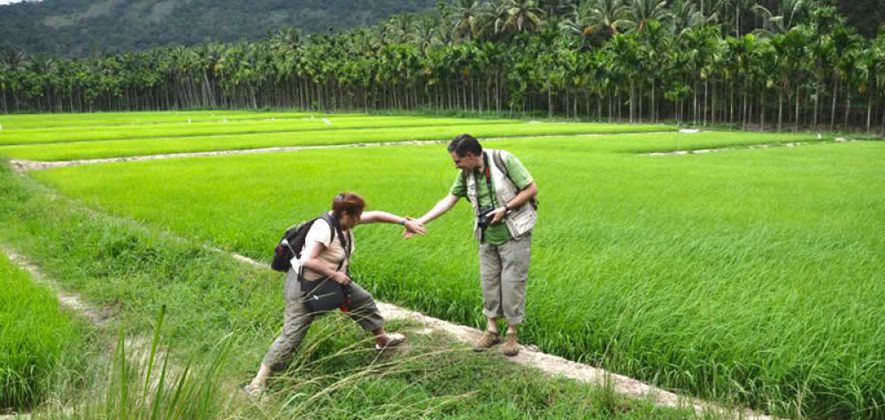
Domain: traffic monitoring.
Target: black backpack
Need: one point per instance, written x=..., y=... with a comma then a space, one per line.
x=292, y=242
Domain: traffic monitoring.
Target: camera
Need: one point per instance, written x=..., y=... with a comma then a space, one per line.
x=484, y=217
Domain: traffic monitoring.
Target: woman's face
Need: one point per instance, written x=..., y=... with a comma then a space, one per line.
x=349, y=221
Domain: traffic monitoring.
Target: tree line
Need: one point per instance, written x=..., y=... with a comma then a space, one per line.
x=787, y=64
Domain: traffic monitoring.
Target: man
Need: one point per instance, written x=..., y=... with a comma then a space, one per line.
x=502, y=193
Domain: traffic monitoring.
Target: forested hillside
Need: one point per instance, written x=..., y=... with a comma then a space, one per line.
x=84, y=27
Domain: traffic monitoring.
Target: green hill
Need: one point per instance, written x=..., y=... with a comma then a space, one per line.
x=84, y=27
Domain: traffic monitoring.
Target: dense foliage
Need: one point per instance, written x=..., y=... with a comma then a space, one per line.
x=637, y=60
x=84, y=27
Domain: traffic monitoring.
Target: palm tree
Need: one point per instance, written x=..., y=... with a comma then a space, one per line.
x=521, y=16
x=624, y=64
x=876, y=64
x=733, y=11
x=686, y=17
x=639, y=12
x=702, y=46
x=789, y=14
x=591, y=16
x=11, y=62
x=468, y=14
x=426, y=33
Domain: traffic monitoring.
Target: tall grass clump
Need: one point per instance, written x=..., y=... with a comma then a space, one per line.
x=337, y=375
x=143, y=382
x=36, y=339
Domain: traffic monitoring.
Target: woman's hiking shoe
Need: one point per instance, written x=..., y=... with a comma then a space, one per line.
x=253, y=391
x=511, y=345
x=393, y=340
x=488, y=339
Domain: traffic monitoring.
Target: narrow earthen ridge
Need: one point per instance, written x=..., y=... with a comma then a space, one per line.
x=750, y=147
x=23, y=165
x=558, y=366
x=71, y=301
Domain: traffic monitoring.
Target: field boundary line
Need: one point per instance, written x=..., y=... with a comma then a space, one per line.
x=684, y=152
x=235, y=134
x=557, y=366
x=24, y=165
x=71, y=301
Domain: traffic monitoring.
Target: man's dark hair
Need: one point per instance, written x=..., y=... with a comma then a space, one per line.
x=464, y=144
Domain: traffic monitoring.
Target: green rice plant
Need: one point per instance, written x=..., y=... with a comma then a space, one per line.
x=210, y=299
x=752, y=276
x=136, y=147
x=36, y=339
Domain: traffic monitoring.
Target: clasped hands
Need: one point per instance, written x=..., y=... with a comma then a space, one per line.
x=413, y=227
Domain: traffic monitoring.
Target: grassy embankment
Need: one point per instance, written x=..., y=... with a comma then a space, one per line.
x=751, y=276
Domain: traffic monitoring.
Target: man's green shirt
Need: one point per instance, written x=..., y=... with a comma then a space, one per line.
x=495, y=234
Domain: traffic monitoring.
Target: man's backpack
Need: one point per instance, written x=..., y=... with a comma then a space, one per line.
x=292, y=242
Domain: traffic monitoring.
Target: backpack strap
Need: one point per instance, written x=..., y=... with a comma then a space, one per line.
x=333, y=225
x=342, y=238
x=499, y=162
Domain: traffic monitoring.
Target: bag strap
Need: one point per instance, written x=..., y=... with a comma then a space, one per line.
x=499, y=162
x=335, y=226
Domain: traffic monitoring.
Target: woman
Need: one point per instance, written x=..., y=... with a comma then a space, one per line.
x=327, y=256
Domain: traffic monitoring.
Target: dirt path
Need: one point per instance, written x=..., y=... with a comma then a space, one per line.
x=558, y=366
x=750, y=147
x=71, y=301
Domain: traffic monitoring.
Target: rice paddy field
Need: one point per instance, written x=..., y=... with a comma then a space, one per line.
x=251, y=130
x=751, y=276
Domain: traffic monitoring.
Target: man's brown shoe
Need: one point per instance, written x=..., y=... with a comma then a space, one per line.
x=488, y=339
x=511, y=346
